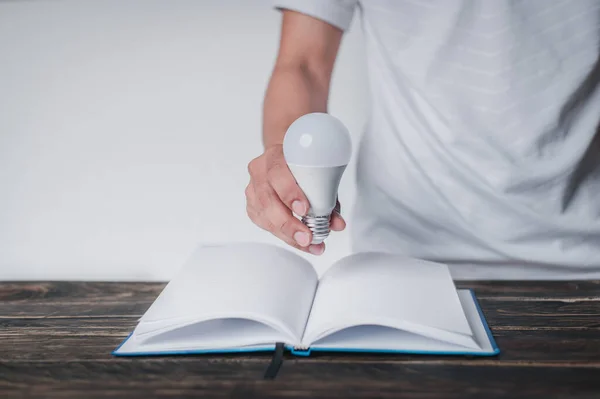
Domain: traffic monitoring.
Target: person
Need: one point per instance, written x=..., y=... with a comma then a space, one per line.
x=482, y=147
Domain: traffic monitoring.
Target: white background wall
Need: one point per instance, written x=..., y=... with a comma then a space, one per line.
x=126, y=127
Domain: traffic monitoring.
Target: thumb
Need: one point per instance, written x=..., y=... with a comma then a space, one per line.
x=337, y=221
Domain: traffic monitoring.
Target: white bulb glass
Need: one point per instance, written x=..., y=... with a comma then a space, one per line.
x=317, y=148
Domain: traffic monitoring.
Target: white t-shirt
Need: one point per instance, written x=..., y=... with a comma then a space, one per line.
x=482, y=148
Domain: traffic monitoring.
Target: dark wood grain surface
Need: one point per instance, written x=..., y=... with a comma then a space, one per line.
x=56, y=340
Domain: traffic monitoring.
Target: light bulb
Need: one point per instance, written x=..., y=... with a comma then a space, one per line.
x=317, y=148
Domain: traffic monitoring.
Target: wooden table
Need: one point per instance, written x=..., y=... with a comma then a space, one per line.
x=56, y=339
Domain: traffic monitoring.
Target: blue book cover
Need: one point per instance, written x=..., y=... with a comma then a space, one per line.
x=488, y=345
x=249, y=297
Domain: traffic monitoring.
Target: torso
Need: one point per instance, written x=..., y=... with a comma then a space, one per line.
x=483, y=149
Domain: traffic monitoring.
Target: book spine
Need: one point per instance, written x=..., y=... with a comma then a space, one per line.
x=300, y=350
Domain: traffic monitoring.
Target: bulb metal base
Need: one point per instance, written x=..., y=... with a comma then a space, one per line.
x=319, y=226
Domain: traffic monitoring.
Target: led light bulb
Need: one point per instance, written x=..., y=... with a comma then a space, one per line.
x=317, y=148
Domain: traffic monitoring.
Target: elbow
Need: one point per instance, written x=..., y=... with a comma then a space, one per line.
x=316, y=75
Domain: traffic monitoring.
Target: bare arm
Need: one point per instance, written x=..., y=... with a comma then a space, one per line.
x=301, y=78
x=299, y=85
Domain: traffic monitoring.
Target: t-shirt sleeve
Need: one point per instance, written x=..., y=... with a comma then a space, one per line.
x=338, y=13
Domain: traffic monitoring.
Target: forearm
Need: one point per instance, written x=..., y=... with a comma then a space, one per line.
x=292, y=92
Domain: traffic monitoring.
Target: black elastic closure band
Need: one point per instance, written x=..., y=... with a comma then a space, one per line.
x=276, y=362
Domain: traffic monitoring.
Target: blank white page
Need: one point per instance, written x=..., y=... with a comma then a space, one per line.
x=244, y=280
x=369, y=337
x=207, y=335
x=378, y=338
x=385, y=289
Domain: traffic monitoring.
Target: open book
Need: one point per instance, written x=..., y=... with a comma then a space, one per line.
x=248, y=297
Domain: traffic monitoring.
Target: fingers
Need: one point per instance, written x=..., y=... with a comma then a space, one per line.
x=280, y=221
x=273, y=194
x=283, y=183
x=337, y=222
x=266, y=210
x=289, y=229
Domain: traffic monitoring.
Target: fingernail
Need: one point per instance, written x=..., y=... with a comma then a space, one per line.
x=298, y=208
x=301, y=238
x=316, y=249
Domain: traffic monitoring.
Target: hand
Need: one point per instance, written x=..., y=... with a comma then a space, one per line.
x=273, y=194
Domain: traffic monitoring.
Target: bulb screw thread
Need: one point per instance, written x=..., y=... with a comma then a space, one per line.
x=319, y=226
